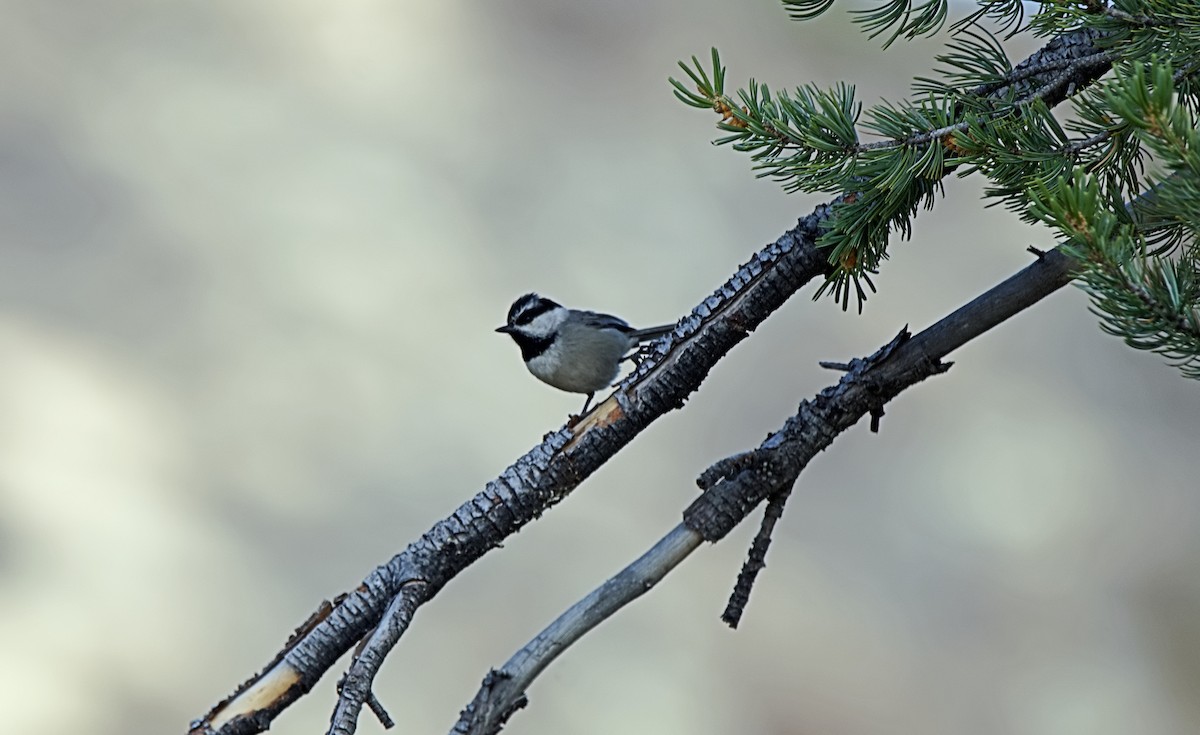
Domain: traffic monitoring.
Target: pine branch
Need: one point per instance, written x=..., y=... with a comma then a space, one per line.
x=808, y=140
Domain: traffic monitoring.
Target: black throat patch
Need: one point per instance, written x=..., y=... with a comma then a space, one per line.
x=531, y=347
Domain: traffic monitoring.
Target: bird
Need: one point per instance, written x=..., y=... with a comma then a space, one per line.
x=573, y=350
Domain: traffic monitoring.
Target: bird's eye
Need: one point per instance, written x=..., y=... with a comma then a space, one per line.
x=526, y=316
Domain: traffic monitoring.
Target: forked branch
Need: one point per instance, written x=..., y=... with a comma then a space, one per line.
x=736, y=485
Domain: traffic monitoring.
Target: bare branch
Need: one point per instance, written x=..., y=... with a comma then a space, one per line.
x=896, y=366
x=756, y=561
x=355, y=688
x=735, y=485
x=537, y=481
x=503, y=690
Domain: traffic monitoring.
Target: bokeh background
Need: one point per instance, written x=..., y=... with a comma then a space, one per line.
x=251, y=257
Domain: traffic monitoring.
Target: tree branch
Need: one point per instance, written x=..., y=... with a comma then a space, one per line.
x=503, y=690
x=535, y=482
x=1052, y=90
x=550, y=471
x=735, y=485
x=355, y=688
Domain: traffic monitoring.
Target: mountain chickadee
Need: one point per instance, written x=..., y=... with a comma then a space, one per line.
x=572, y=350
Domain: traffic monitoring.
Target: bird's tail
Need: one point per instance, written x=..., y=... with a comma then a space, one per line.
x=649, y=333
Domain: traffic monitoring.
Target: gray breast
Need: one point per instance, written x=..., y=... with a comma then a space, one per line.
x=582, y=360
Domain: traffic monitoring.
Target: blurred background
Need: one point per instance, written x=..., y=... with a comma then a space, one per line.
x=251, y=257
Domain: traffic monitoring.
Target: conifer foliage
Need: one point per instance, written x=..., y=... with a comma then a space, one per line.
x=1116, y=173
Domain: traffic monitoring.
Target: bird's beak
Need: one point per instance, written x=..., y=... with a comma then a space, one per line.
x=506, y=329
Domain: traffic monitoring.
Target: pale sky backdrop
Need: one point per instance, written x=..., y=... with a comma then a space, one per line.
x=252, y=256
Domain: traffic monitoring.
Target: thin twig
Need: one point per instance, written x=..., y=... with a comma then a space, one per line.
x=356, y=685
x=380, y=713
x=503, y=690
x=756, y=561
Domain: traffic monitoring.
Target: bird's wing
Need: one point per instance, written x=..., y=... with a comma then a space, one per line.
x=605, y=321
